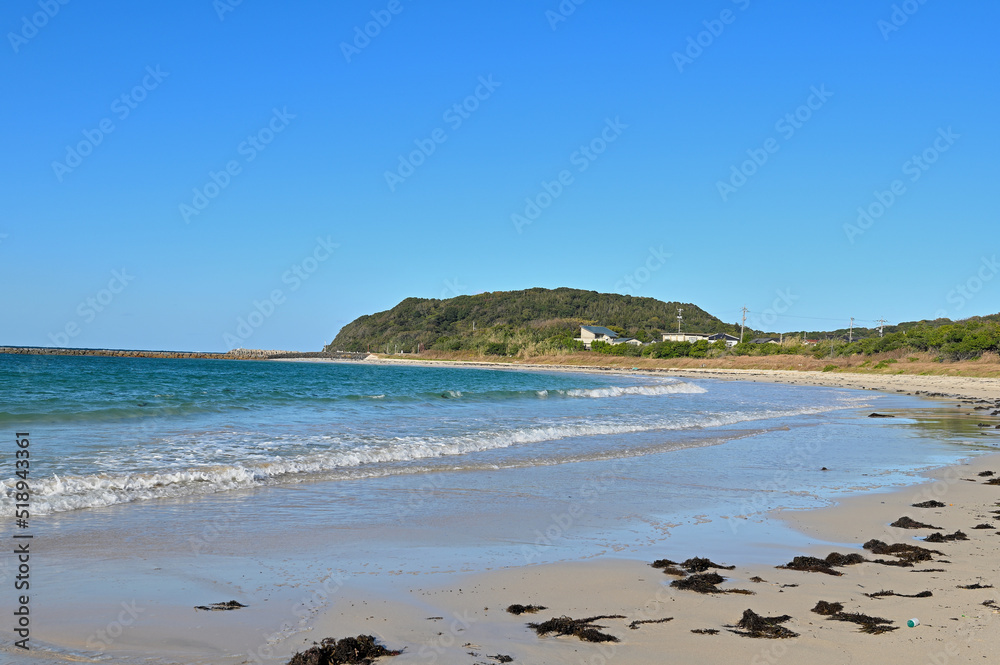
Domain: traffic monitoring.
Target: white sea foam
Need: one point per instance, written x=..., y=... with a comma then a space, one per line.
x=672, y=388
x=65, y=493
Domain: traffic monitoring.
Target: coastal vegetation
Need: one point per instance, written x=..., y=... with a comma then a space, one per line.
x=544, y=323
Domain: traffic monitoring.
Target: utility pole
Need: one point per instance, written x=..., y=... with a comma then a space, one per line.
x=680, y=317
x=743, y=323
x=881, y=327
x=850, y=336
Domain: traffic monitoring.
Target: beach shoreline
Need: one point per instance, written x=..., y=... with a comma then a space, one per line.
x=399, y=608
x=464, y=619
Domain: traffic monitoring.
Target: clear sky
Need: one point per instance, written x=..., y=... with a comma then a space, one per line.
x=169, y=169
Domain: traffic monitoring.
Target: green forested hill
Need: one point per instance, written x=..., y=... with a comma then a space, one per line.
x=533, y=319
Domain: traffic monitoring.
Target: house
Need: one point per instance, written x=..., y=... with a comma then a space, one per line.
x=590, y=334
x=627, y=340
x=685, y=337
x=728, y=339
x=764, y=340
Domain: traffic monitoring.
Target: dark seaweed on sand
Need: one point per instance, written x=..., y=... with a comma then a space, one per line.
x=984, y=526
x=993, y=481
x=944, y=538
x=929, y=570
x=816, y=565
x=635, y=624
x=585, y=629
x=906, y=523
x=869, y=624
x=692, y=565
x=986, y=474
x=884, y=593
x=700, y=565
x=977, y=585
x=228, y=605
x=705, y=631
x=706, y=583
x=754, y=625
x=360, y=650
x=810, y=564
x=827, y=609
x=525, y=609
x=906, y=553
x=929, y=504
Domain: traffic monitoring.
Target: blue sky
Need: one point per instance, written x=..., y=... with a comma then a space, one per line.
x=278, y=160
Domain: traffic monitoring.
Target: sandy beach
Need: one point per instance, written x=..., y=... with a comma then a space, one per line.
x=465, y=620
x=439, y=607
x=955, y=626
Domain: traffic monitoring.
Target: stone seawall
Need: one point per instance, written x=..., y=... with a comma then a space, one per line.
x=235, y=354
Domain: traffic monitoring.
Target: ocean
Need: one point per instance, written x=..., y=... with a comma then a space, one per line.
x=173, y=480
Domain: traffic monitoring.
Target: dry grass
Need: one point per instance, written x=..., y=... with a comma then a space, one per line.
x=923, y=363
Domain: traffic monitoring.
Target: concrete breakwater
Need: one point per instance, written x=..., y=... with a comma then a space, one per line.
x=235, y=354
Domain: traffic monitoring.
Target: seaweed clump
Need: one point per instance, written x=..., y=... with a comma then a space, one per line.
x=754, y=625
x=869, y=624
x=692, y=565
x=977, y=585
x=828, y=609
x=585, y=629
x=907, y=554
x=884, y=593
x=827, y=565
x=905, y=522
x=360, y=650
x=700, y=565
x=986, y=474
x=984, y=526
x=944, y=538
x=215, y=607
x=525, y=609
x=993, y=481
x=635, y=624
x=705, y=631
x=705, y=583
x=929, y=504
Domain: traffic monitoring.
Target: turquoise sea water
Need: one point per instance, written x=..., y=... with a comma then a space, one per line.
x=172, y=483
x=113, y=431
